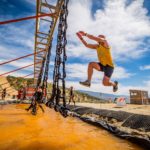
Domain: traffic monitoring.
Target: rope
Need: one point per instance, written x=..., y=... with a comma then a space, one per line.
x=20, y=57
x=18, y=69
x=26, y=18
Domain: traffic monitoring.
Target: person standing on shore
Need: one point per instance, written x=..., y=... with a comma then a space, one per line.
x=71, y=94
x=3, y=94
x=36, y=101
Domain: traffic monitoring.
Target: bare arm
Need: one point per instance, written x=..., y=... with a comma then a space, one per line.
x=97, y=39
x=92, y=46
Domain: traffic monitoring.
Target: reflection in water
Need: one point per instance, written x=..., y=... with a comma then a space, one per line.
x=50, y=131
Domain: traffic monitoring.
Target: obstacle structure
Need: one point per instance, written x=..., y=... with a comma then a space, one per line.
x=47, y=16
x=139, y=97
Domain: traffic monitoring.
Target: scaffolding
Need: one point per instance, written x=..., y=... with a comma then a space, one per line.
x=44, y=31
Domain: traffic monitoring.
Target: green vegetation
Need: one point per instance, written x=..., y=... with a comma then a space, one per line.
x=19, y=82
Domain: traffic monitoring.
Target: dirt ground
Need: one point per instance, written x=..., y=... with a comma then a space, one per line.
x=137, y=109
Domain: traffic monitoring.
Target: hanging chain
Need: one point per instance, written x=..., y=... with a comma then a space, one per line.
x=45, y=66
x=41, y=73
x=59, y=74
x=45, y=76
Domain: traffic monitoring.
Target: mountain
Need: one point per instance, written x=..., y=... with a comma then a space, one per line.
x=18, y=82
x=80, y=95
x=105, y=96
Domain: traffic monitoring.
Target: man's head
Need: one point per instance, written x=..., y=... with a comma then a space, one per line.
x=102, y=36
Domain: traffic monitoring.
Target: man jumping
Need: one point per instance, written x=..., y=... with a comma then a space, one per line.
x=105, y=63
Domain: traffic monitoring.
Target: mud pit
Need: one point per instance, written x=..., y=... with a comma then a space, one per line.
x=50, y=131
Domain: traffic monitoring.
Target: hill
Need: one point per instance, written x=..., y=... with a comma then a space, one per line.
x=105, y=96
x=18, y=82
x=4, y=83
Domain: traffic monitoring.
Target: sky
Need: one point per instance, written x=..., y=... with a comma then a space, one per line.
x=125, y=23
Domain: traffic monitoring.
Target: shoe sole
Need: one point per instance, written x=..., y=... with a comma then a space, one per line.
x=115, y=90
x=84, y=84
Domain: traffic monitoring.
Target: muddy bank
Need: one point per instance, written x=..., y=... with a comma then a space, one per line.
x=5, y=102
x=134, y=127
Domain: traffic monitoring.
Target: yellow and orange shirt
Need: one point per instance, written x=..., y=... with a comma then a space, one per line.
x=104, y=56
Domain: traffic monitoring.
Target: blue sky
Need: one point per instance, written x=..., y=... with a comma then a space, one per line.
x=126, y=24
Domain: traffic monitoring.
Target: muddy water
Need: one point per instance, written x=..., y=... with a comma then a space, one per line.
x=19, y=130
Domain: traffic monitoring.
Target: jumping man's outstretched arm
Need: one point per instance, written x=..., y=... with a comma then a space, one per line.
x=92, y=46
x=97, y=39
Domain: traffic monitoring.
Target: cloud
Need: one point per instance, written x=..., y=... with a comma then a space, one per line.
x=121, y=73
x=33, y=2
x=17, y=73
x=79, y=71
x=146, y=67
x=125, y=27
x=76, y=71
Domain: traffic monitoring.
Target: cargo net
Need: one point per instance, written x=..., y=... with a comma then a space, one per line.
x=140, y=122
x=133, y=121
x=118, y=115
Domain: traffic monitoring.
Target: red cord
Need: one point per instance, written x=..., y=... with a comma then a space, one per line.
x=18, y=69
x=26, y=18
x=20, y=58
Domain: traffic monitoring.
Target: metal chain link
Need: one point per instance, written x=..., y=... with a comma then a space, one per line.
x=59, y=73
x=45, y=76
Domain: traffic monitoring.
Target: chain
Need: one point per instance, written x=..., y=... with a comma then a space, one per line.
x=45, y=66
x=45, y=78
x=41, y=73
x=59, y=73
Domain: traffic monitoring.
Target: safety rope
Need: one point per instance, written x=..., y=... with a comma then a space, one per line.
x=18, y=69
x=26, y=18
x=3, y=63
x=60, y=59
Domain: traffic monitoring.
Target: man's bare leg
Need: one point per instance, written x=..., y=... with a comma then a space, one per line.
x=91, y=66
x=107, y=82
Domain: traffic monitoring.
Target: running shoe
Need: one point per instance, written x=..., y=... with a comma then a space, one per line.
x=85, y=83
x=115, y=88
